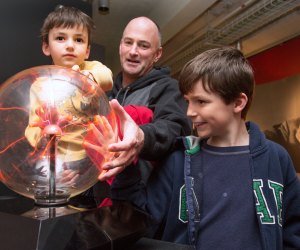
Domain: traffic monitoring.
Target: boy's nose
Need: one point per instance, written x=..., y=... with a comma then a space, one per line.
x=190, y=111
x=70, y=44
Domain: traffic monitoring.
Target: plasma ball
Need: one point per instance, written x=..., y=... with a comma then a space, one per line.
x=45, y=115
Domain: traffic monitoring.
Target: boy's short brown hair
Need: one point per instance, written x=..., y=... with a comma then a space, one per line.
x=67, y=17
x=224, y=71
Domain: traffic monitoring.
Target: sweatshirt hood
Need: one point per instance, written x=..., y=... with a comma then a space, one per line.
x=155, y=74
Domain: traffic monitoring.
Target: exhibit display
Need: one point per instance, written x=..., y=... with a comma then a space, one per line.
x=47, y=115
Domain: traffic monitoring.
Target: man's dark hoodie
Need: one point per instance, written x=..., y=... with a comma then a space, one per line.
x=159, y=92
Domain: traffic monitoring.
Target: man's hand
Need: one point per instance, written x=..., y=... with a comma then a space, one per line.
x=127, y=149
x=100, y=134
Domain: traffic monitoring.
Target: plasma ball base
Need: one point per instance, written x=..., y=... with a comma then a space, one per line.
x=26, y=226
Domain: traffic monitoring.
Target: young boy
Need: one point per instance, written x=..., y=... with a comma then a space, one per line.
x=230, y=187
x=66, y=37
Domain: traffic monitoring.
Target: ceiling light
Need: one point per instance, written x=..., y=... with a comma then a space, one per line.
x=103, y=7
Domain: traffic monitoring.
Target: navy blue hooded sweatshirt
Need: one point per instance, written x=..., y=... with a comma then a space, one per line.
x=170, y=200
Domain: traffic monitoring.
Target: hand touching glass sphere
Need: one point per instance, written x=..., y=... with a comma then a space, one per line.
x=47, y=114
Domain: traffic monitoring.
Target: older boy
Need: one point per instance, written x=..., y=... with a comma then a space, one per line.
x=230, y=187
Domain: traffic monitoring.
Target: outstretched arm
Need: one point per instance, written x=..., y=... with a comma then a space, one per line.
x=126, y=150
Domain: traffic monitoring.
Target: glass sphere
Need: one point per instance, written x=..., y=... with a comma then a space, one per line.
x=49, y=114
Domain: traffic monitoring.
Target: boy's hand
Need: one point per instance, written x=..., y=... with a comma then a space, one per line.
x=87, y=89
x=68, y=178
x=99, y=136
x=85, y=72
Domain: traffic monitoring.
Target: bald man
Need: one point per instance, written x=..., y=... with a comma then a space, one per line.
x=141, y=83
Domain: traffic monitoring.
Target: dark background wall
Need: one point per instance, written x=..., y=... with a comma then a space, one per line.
x=20, y=23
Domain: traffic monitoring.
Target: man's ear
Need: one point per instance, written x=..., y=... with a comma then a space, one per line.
x=87, y=53
x=45, y=48
x=158, y=54
x=240, y=103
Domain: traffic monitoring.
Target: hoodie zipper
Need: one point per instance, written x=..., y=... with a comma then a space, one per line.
x=125, y=94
